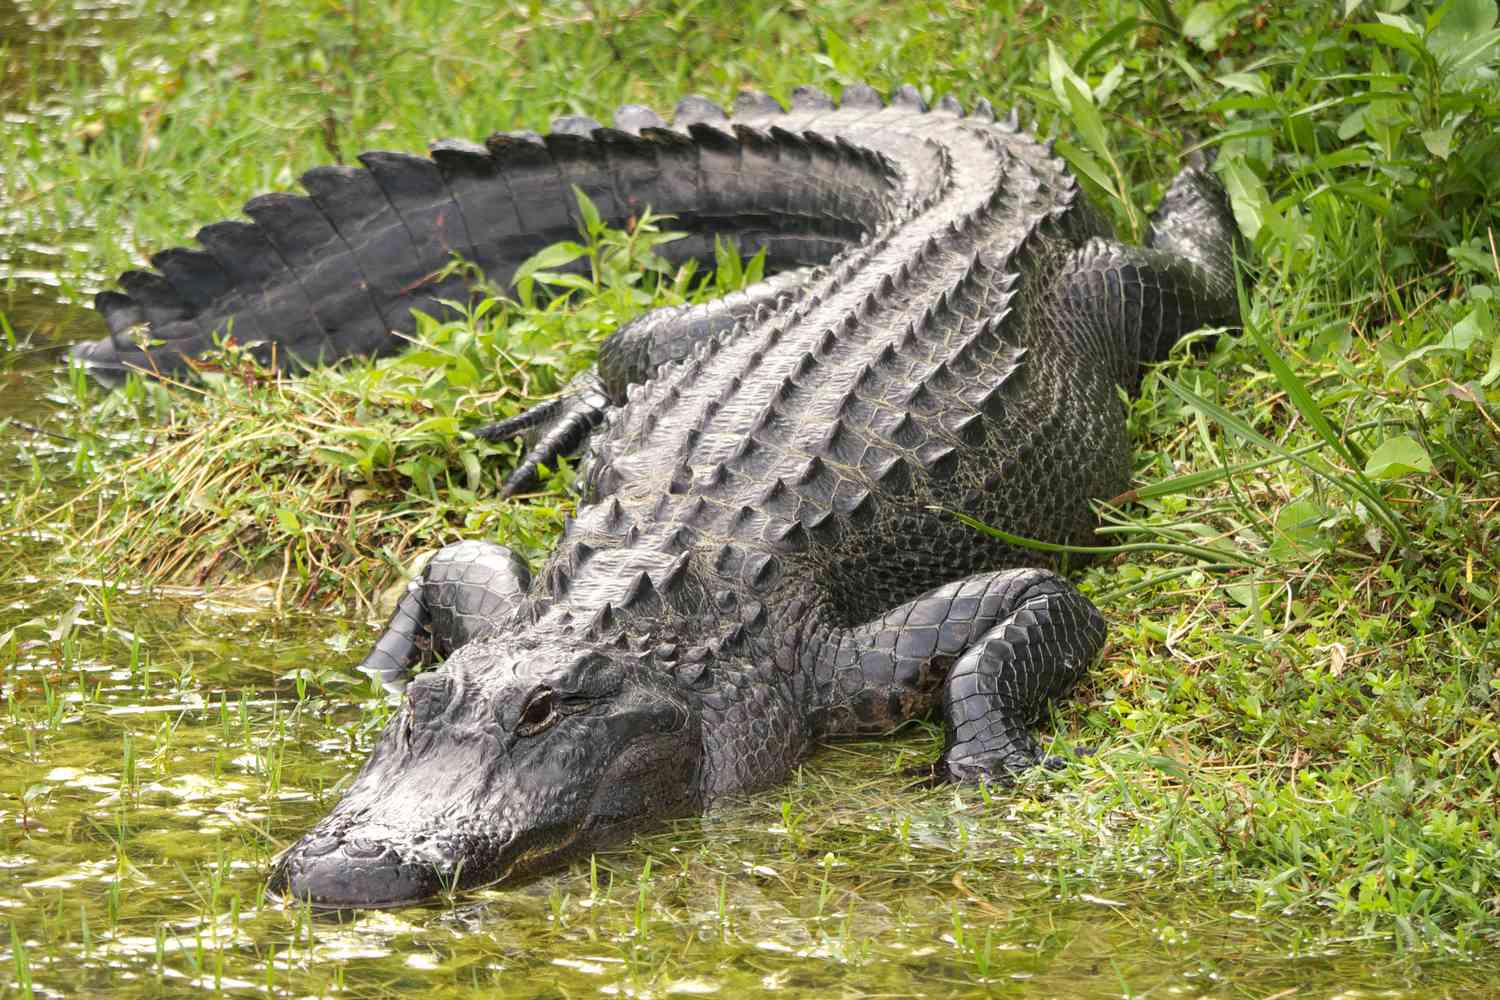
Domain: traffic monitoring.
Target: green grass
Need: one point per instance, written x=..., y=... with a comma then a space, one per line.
x=1298, y=708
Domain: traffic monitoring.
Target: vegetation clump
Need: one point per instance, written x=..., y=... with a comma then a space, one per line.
x=1300, y=704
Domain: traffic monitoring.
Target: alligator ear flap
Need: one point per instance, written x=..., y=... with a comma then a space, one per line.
x=756, y=104
x=808, y=98
x=634, y=117
x=861, y=95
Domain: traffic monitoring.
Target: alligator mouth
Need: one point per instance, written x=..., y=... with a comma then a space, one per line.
x=333, y=873
x=339, y=873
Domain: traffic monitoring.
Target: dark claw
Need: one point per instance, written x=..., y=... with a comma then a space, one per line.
x=555, y=428
x=520, y=423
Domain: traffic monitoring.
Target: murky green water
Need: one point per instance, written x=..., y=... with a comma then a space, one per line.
x=157, y=749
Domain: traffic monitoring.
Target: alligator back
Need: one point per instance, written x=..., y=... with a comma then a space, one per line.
x=931, y=370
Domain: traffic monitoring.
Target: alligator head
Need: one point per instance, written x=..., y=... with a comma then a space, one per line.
x=513, y=757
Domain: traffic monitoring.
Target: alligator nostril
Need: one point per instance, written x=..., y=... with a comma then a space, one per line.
x=316, y=847
x=358, y=847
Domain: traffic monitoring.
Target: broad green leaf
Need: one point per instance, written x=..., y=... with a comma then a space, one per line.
x=337, y=458
x=840, y=59
x=1439, y=141
x=1396, y=457
x=1302, y=398
x=1081, y=161
x=1403, y=24
x=1248, y=595
x=1492, y=375
x=560, y=280
x=1060, y=73
x=288, y=521
x=1203, y=24
x=1250, y=83
x=1474, y=328
x=1247, y=197
x=473, y=471
x=556, y=255
x=1394, y=37
x=1463, y=21
x=1086, y=119
x=589, y=212
x=1108, y=83
x=444, y=425
x=1469, y=54
x=1298, y=530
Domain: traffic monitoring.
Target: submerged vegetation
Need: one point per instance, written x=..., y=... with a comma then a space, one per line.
x=1294, y=734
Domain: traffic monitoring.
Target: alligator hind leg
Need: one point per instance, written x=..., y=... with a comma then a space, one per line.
x=993, y=650
x=465, y=589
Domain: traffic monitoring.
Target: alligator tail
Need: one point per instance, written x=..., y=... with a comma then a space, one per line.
x=337, y=273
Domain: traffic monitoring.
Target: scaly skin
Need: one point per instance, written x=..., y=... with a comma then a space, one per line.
x=765, y=554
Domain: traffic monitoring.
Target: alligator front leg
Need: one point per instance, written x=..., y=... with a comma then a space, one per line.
x=465, y=589
x=632, y=354
x=993, y=650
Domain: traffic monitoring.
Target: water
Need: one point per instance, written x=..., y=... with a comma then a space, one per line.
x=160, y=746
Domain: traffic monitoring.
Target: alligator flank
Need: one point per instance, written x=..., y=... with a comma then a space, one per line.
x=757, y=562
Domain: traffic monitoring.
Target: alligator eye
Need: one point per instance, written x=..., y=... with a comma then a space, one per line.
x=539, y=713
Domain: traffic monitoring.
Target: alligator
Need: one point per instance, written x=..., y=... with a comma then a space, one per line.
x=765, y=552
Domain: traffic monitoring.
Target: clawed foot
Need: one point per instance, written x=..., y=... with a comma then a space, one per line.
x=554, y=428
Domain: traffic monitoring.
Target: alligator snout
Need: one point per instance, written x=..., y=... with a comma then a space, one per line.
x=333, y=872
